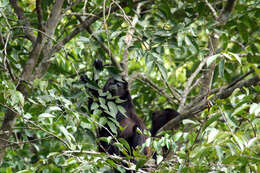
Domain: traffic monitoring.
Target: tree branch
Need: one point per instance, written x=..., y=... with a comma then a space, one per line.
x=51, y=25
x=87, y=22
x=226, y=12
x=154, y=86
x=208, y=73
x=212, y=9
x=20, y=14
x=27, y=75
x=55, y=16
x=128, y=40
x=189, y=83
x=222, y=94
x=102, y=45
x=39, y=15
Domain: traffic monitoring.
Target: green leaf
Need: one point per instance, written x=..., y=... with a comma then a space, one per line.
x=162, y=70
x=52, y=154
x=240, y=109
x=112, y=127
x=221, y=67
x=252, y=142
x=187, y=41
x=67, y=134
x=232, y=148
x=227, y=55
x=103, y=120
x=103, y=103
x=236, y=57
x=112, y=109
x=9, y=170
x=139, y=131
x=122, y=110
x=163, y=33
x=177, y=136
x=112, y=119
x=106, y=139
x=94, y=106
x=230, y=159
x=239, y=142
x=125, y=143
x=180, y=38
x=112, y=163
x=219, y=152
x=212, y=134
x=43, y=85
x=159, y=159
x=46, y=115
x=210, y=121
x=188, y=121
x=230, y=121
x=16, y=97
x=115, y=34
x=84, y=39
x=140, y=163
x=254, y=109
x=53, y=108
x=149, y=62
x=20, y=98
x=211, y=59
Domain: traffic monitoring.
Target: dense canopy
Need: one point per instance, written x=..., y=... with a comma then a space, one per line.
x=199, y=57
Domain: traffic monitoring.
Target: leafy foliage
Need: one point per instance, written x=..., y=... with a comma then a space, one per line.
x=54, y=130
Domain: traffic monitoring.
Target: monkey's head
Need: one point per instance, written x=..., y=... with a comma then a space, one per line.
x=117, y=88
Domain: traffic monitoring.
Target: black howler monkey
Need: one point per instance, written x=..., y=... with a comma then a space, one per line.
x=129, y=122
x=160, y=118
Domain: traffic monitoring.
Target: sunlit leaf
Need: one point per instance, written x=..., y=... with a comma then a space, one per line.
x=159, y=159
x=53, y=108
x=236, y=57
x=221, y=67
x=212, y=58
x=240, y=109
x=239, y=142
x=254, y=108
x=213, y=133
x=46, y=115
x=219, y=152
x=252, y=142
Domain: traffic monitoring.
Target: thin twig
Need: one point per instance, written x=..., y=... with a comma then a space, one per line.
x=102, y=45
x=174, y=93
x=29, y=141
x=128, y=40
x=240, y=78
x=50, y=133
x=155, y=87
x=211, y=9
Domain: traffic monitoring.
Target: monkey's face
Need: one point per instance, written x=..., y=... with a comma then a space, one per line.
x=116, y=88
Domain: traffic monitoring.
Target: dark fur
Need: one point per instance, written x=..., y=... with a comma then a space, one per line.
x=130, y=122
x=160, y=118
